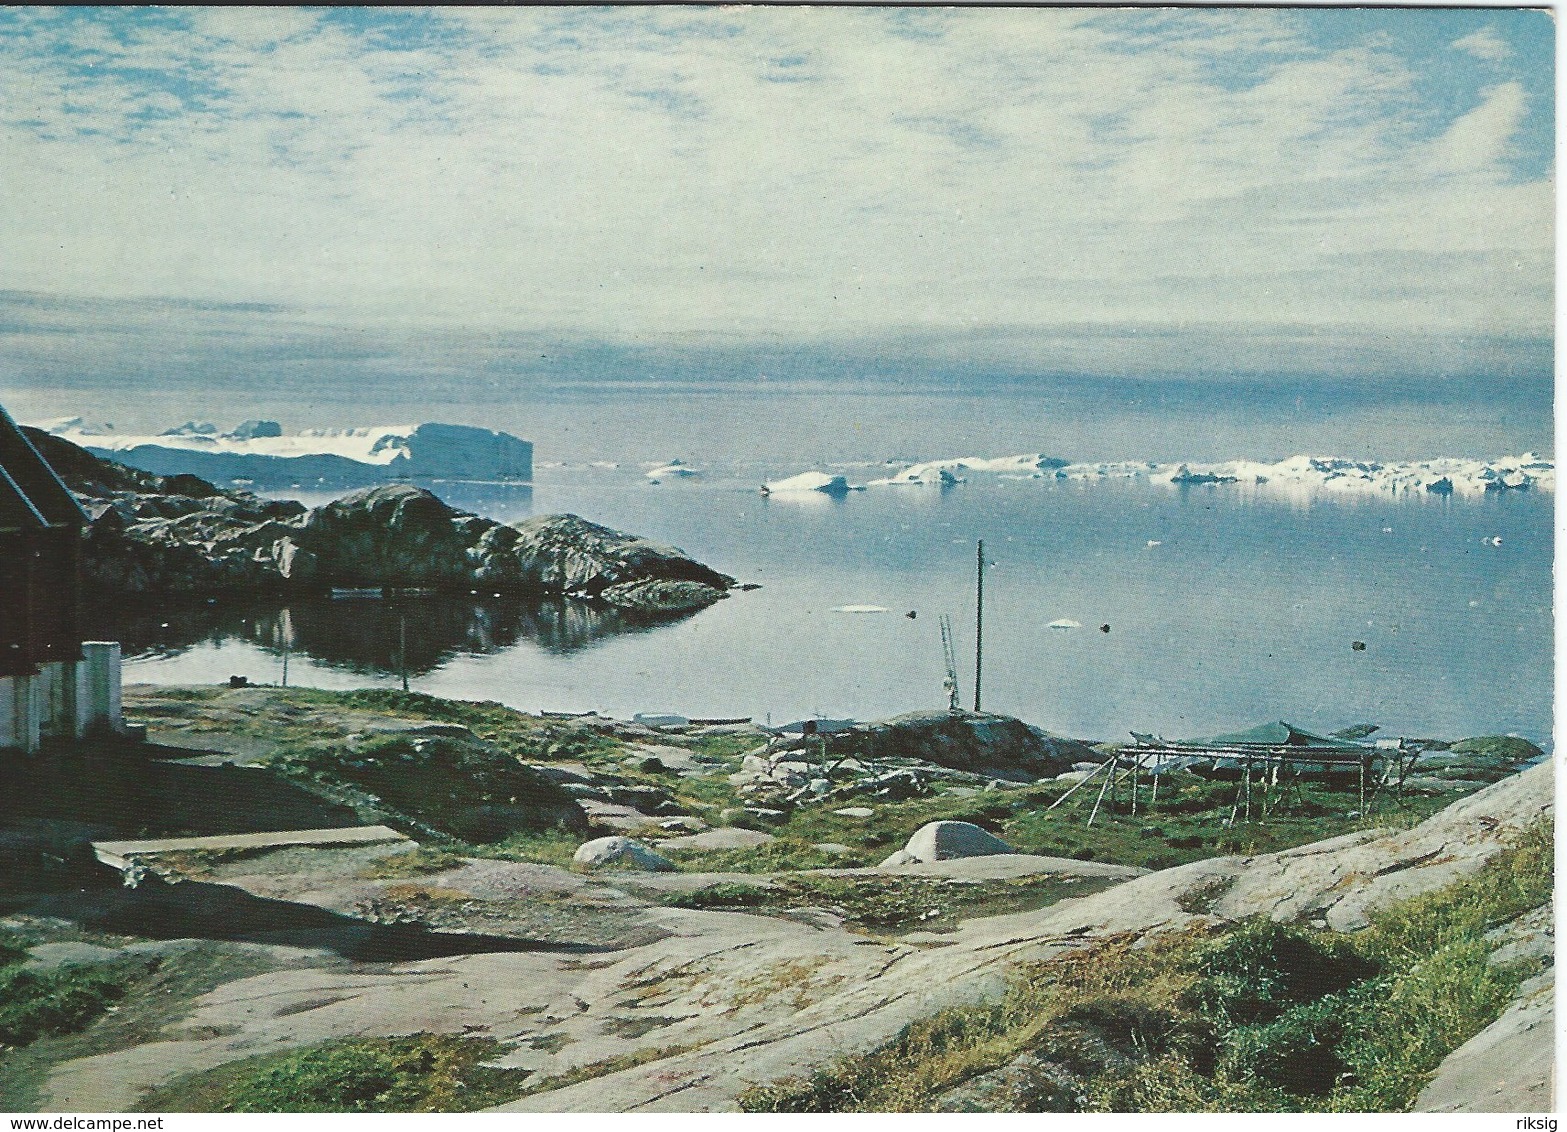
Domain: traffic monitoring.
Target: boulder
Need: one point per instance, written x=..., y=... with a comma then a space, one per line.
x=605, y=851
x=566, y=554
x=945, y=840
x=392, y=535
x=998, y=746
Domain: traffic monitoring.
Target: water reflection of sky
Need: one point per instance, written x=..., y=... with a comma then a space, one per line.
x=1244, y=608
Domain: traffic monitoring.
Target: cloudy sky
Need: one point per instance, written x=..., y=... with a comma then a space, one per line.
x=387, y=194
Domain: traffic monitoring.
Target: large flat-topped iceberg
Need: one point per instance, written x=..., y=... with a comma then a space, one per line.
x=943, y=473
x=259, y=451
x=1439, y=476
x=811, y=481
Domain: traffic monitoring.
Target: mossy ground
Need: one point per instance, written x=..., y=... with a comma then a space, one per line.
x=889, y=905
x=417, y=1073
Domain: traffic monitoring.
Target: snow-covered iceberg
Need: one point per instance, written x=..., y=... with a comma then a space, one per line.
x=1331, y=474
x=674, y=470
x=1296, y=475
x=944, y=473
x=258, y=451
x=811, y=481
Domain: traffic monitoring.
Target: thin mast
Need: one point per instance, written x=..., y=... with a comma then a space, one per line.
x=979, y=620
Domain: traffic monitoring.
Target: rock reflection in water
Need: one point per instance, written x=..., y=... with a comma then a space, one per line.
x=366, y=635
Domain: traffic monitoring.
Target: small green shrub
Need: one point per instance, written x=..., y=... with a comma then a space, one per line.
x=545, y=847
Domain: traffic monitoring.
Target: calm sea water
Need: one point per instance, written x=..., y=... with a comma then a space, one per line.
x=1225, y=608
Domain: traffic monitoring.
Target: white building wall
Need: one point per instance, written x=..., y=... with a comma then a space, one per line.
x=99, y=707
x=63, y=700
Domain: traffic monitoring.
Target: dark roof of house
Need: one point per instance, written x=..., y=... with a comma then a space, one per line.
x=32, y=496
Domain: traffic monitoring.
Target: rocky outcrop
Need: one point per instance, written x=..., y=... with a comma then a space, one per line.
x=182, y=535
x=1508, y=1066
x=860, y=1012
x=392, y=535
x=569, y=555
x=721, y=1000
x=997, y=745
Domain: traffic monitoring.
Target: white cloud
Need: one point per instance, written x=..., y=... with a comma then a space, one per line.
x=1485, y=44
x=641, y=172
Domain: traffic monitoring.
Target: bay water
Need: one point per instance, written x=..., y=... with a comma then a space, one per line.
x=1197, y=609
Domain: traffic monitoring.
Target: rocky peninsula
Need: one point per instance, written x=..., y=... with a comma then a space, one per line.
x=153, y=534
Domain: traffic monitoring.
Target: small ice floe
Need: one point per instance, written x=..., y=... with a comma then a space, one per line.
x=674, y=470
x=811, y=481
x=1066, y=623
x=859, y=609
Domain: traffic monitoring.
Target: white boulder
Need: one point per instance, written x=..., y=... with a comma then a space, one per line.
x=604, y=851
x=945, y=840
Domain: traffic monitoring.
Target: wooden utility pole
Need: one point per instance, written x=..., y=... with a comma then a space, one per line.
x=979, y=621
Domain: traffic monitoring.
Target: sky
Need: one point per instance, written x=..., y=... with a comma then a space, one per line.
x=214, y=203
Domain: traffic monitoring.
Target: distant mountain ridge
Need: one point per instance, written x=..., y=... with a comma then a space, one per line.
x=260, y=453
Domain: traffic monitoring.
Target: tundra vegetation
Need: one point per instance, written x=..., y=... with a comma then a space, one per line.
x=1249, y=1016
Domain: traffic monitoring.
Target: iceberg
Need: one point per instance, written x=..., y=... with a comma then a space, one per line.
x=944, y=473
x=1299, y=476
x=674, y=470
x=259, y=451
x=811, y=481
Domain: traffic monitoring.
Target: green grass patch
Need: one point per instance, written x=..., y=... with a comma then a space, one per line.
x=1250, y=1017
x=415, y=862
x=785, y=854
x=471, y=791
x=35, y=1004
x=890, y=905
x=419, y=1073
x=13, y=948
x=1189, y=822
x=543, y=847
